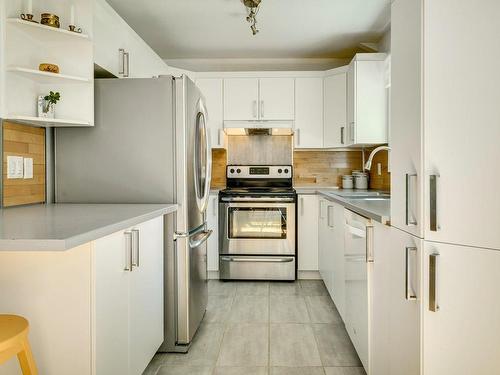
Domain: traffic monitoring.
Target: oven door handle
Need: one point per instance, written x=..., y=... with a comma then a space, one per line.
x=253, y=199
x=263, y=260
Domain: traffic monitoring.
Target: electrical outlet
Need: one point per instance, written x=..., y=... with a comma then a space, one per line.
x=15, y=167
x=379, y=169
x=28, y=168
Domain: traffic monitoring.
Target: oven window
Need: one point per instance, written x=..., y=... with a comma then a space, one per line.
x=258, y=222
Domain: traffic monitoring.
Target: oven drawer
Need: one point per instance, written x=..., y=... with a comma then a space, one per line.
x=256, y=268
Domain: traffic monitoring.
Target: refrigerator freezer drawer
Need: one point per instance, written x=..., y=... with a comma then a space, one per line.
x=256, y=267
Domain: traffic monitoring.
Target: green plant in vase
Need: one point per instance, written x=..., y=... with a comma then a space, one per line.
x=49, y=103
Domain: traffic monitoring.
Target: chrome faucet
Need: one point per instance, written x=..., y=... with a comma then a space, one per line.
x=368, y=164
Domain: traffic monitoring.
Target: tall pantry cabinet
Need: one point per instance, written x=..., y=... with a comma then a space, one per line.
x=444, y=137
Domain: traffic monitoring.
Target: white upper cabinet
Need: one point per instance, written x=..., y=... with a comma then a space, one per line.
x=308, y=112
x=249, y=99
x=367, y=100
x=445, y=122
x=406, y=117
x=241, y=99
x=307, y=232
x=276, y=99
x=460, y=310
x=119, y=50
x=335, y=109
x=462, y=123
x=211, y=89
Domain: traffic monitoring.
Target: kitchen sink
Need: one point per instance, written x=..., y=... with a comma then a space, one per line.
x=367, y=195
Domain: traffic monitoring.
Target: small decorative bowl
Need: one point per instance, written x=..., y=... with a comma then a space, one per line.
x=49, y=19
x=46, y=67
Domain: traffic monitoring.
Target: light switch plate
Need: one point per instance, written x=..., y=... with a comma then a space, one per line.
x=379, y=169
x=28, y=168
x=15, y=167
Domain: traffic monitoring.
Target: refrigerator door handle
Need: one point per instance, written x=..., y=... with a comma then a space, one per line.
x=195, y=244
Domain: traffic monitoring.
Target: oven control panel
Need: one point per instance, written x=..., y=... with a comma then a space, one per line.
x=259, y=171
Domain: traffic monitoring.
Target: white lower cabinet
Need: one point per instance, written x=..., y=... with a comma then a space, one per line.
x=212, y=218
x=307, y=236
x=395, y=302
x=331, y=251
x=128, y=298
x=461, y=310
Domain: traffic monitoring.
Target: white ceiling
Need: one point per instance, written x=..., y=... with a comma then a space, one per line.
x=191, y=29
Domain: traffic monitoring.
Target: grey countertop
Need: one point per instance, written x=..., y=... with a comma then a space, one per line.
x=57, y=227
x=378, y=210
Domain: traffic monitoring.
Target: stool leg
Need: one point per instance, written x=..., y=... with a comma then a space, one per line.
x=25, y=357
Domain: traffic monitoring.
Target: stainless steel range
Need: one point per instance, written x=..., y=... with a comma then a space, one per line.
x=257, y=226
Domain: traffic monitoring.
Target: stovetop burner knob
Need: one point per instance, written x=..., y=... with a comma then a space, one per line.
x=280, y=170
x=231, y=170
x=238, y=170
x=286, y=170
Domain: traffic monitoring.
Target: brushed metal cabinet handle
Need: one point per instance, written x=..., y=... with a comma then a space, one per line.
x=413, y=221
x=433, y=202
x=261, y=109
x=297, y=132
x=301, y=206
x=369, y=244
x=121, y=58
x=214, y=211
x=136, y=245
x=330, y=217
x=127, y=63
x=219, y=143
x=254, y=108
x=128, y=251
x=433, y=300
x=342, y=135
x=410, y=294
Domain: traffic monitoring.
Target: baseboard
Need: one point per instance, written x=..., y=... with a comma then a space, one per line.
x=213, y=275
x=309, y=275
x=304, y=275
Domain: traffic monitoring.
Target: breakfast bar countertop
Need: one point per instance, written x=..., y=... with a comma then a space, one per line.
x=59, y=227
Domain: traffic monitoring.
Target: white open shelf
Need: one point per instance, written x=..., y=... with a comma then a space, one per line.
x=46, y=33
x=46, y=77
x=47, y=122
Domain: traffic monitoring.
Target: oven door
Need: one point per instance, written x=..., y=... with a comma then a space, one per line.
x=257, y=228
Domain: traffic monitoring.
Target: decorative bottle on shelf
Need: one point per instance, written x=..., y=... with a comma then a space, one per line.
x=46, y=109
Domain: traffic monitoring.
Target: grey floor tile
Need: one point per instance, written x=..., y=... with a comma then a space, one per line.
x=245, y=344
x=297, y=371
x=184, y=370
x=218, y=308
x=154, y=365
x=293, y=345
x=313, y=288
x=288, y=309
x=252, y=288
x=284, y=288
x=322, y=310
x=240, y=371
x=335, y=347
x=204, y=349
x=221, y=288
x=250, y=309
x=345, y=371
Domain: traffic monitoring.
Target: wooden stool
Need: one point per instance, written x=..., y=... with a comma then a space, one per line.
x=14, y=341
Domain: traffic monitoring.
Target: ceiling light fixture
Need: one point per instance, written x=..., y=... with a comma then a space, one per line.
x=253, y=7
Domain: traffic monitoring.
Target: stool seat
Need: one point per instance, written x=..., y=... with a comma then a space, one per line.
x=12, y=329
x=14, y=341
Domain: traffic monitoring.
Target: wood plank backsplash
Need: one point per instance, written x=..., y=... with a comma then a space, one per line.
x=324, y=168
x=317, y=168
x=219, y=162
x=29, y=142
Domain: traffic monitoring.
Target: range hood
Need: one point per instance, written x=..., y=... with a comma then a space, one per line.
x=258, y=127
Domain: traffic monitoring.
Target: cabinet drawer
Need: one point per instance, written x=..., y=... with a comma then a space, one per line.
x=257, y=268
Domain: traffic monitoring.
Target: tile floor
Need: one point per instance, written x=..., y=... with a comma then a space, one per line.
x=266, y=328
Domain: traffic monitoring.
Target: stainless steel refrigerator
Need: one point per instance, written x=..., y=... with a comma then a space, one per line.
x=149, y=145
